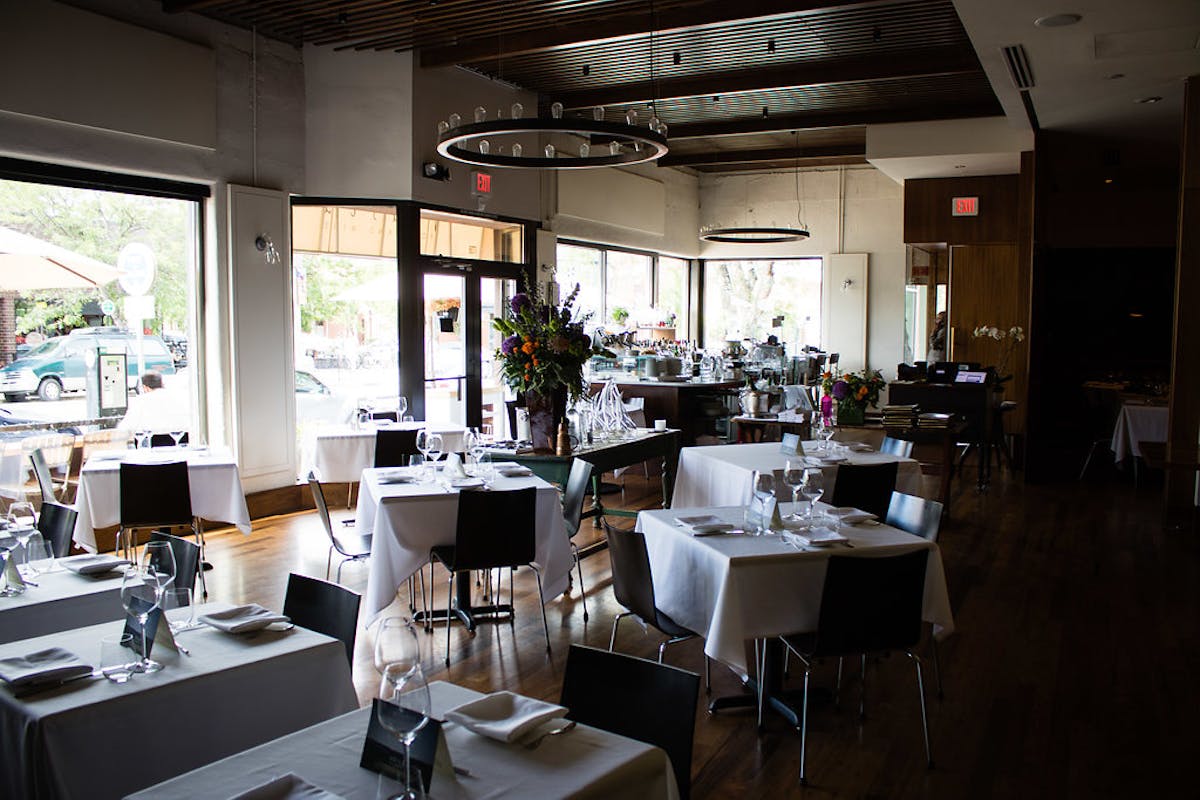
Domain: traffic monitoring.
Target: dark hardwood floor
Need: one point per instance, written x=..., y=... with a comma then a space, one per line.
x=1073, y=673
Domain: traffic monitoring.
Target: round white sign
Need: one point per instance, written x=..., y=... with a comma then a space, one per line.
x=108, y=307
x=135, y=263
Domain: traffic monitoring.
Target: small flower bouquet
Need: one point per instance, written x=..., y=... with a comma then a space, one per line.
x=1008, y=340
x=853, y=392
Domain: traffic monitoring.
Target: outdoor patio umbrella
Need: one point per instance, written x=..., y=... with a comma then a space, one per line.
x=381, y=289
x=28, y=263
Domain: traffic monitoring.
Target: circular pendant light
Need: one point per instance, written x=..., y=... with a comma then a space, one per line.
x=752, y=235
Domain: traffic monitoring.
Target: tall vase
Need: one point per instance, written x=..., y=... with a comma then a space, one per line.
x=546, y=411
x=851, y=412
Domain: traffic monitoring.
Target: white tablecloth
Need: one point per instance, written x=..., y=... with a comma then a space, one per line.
x=585, y=763
x=60, y=601
x=215, y=486
x=94, y=739
x=735, y=587
x=1138, y=423
x=720, y=475
x=409, y=519
x=340, y=454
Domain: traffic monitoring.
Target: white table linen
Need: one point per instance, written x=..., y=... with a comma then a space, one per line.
x=731, y=588
x=60, y=601
x=341, y=453
x=720, y=475
x=1138, y=423
x=585, y=763
x=216, y=490
x=408, y=519
x=95, y=739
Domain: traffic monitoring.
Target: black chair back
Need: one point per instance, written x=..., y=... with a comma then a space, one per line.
x=392, y=448
x=633, y=697
x=896, y=447
x=477, y=542
x=867, y=487
x=165, y=440
x=323, y=607
x=56, y=523
x=155, y=494
x=916, y=515
x=575, y=493
x=391, y=416
x=41, y=471
x=187, y=559
x=322, y=507
x=632, y=582
x=871, y=604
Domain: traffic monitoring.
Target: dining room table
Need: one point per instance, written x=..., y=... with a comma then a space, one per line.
x=339, y=453
x=732, y=588
x=407, y=515
x=1141, y=419
x=60, y=600
x=214, y=482
x=584, y=762
x=720, y=475
x=96, y=739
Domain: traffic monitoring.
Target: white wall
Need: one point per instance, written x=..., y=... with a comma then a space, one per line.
x=846, y=210
x=278, y=139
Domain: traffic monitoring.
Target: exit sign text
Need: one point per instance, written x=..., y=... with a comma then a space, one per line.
x=965, y=207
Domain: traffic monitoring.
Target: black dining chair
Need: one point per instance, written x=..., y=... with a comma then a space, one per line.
x=392, y=448
x=56, y=524
x=633, y=587
x=494, y=530
x=634, y=697
x=41, y=471
x=187, y=558
x=157, y=496
x=348, y=543
x=323, y=607
x=574, y=496
x=166, y=440
x=867, y=487
x=896, y=447
x=923, y=518
x=868, y=605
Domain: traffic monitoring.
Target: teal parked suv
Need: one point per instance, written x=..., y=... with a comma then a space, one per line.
x=58, y=364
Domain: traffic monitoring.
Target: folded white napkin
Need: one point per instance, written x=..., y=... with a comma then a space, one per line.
x=45, y=666
x=815, y=537
x=242, y=619
x=454, y=467
x=704, y=524
x=515, y=471
x=286, y=787
x=395, y=476
x=93, y=565
x=503, y=715
x=466, y=483
x=851, y=516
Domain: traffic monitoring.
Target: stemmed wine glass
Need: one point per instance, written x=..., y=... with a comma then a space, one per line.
x=142, y=588
x=433, y=444
x=402, y=686
x=812, y=486
x=401, y=408
x=828, y=431
x=177, y=437
x=793, y=476
x=7, y=545
x=22, y=524
x=764, y=489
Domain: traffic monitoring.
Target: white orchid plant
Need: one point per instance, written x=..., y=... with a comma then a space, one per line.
x=1015, y=335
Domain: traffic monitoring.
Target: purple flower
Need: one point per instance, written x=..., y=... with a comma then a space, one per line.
x=510, y=344
x=841, y=390
x=519, y=302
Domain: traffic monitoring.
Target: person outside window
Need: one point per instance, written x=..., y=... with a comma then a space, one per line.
x=155, y=409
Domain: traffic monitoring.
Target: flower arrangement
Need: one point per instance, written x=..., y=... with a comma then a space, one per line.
x=442, y=304
x=544, y=346
x=1014, y=336
x=862, y=389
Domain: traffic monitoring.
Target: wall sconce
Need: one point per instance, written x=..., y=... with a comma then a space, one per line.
x=265, y=245
x=435, y=171
x=846, y=284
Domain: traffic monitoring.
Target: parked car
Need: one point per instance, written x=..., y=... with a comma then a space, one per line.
x=316, y=402
x=59, y=365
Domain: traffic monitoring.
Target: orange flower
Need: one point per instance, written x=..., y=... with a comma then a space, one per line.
x=528, y=348
x=862, y=392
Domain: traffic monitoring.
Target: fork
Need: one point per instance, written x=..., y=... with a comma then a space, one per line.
x=554, y=732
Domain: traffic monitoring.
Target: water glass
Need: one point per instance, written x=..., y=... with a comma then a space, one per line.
x=407, y=418
x=39, y=556
x=117, y=657
x=812, y=487
x=178, y=607
x=22, y=523
x=793, y=476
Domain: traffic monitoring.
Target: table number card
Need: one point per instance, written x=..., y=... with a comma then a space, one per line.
x=155, y=633
x=384, y=753
x=13, y=575
x=791, y=445
x=763, y=513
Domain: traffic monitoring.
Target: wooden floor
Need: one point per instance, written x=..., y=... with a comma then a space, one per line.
x=1074, y=671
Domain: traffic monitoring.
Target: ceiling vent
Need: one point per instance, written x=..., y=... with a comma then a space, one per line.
x=1018, y=66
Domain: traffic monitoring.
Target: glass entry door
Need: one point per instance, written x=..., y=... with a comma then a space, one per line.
x=446, y=371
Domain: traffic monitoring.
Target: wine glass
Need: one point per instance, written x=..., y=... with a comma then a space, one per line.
x=793, y=476
x=401, y=407
x=485, y=469
x=140, y=595
x=177, y=437
x=402, y=686
x=21, y=524
x=763, y=486
x=433, y=443
x=7, y=545
x=423, y=442
x=812, y=486
x=476, y=444
x=828, y=430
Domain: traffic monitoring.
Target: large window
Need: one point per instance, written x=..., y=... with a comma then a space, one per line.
x=625, y=289
x=755, y=299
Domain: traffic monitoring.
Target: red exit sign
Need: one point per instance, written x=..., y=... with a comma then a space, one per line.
x=481, y=184
x=965, y=207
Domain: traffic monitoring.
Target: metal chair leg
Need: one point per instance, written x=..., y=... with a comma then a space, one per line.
x=542, y=601
x=862, y=690
x=837, y=686
x=449, y=600
x=328, y=562
x=198, y=529
x=804, y=729
x=512, y=601
x=612, y=640
x=760, y=666
x=579, y=568
x=924, y=720
x=707, y=675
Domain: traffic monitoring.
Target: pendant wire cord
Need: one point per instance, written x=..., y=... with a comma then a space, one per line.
x=254, y=103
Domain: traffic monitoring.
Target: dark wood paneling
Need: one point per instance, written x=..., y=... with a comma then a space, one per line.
x=928, y=205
